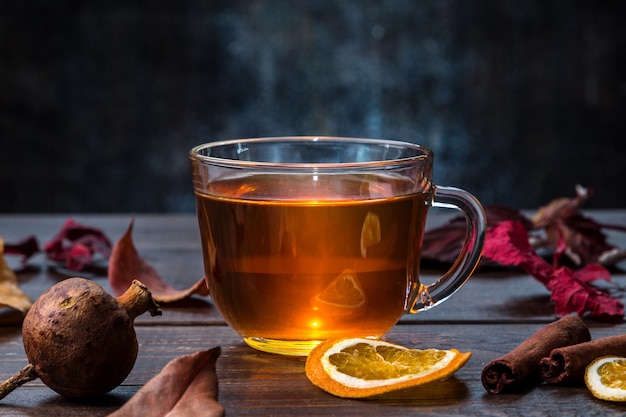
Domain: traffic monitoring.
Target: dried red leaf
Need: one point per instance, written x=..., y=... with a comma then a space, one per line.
x=77, y=256
x=507, y=244
x=11, y=295
x=443, y=243
x=125, y=265
x=185, y=387
x=497, y=214
x=567, y=233
x=25, y=248
x=591, y=273
x=571, y=292
x=76, y=244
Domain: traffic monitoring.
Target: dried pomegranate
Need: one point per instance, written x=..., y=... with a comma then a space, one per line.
x=80, y=340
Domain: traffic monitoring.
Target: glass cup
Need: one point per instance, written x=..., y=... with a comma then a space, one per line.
x=307, y=238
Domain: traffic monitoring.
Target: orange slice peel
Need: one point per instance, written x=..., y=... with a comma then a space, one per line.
x=364, y=367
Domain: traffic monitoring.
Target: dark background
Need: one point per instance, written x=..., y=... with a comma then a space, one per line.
x=101, y=100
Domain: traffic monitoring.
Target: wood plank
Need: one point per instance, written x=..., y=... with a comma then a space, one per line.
x=254, y=383
x=494, y=312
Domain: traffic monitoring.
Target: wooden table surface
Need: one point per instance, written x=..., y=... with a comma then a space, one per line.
x=494, y=312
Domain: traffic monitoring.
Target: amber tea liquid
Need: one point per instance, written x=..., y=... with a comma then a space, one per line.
x=289, y=272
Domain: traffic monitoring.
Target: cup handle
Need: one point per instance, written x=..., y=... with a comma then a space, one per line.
x=428, y=296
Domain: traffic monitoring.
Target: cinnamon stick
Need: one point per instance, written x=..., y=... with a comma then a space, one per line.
x=567, y=364
x=521, y=365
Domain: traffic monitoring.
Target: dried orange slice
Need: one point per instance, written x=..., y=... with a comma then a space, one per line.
x=606, y=378
x=342, y=297
x=362, y=367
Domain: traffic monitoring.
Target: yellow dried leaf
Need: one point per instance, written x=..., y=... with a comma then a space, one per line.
x=11, y=295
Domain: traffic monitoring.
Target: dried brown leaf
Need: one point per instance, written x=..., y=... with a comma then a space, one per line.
x=125, y=265
x=561, y=208
x=569, y=232
x=185, y=387
x=11, y=295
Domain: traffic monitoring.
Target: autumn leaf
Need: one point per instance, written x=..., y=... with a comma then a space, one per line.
x=443, y=243
x=25, y=248
x=75, y=245
x=11, y=295
x=561, y=208
x=559, y=228
x=185, y=387
x=125, y=265
x=507, y=244
x=572, y=291
x=568, y=232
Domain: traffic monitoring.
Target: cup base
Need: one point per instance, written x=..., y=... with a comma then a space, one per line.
x=282, y=347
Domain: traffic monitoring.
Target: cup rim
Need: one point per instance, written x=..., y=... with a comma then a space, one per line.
x=424, y=154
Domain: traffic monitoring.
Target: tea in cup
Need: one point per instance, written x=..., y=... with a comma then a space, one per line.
x=308, y=238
